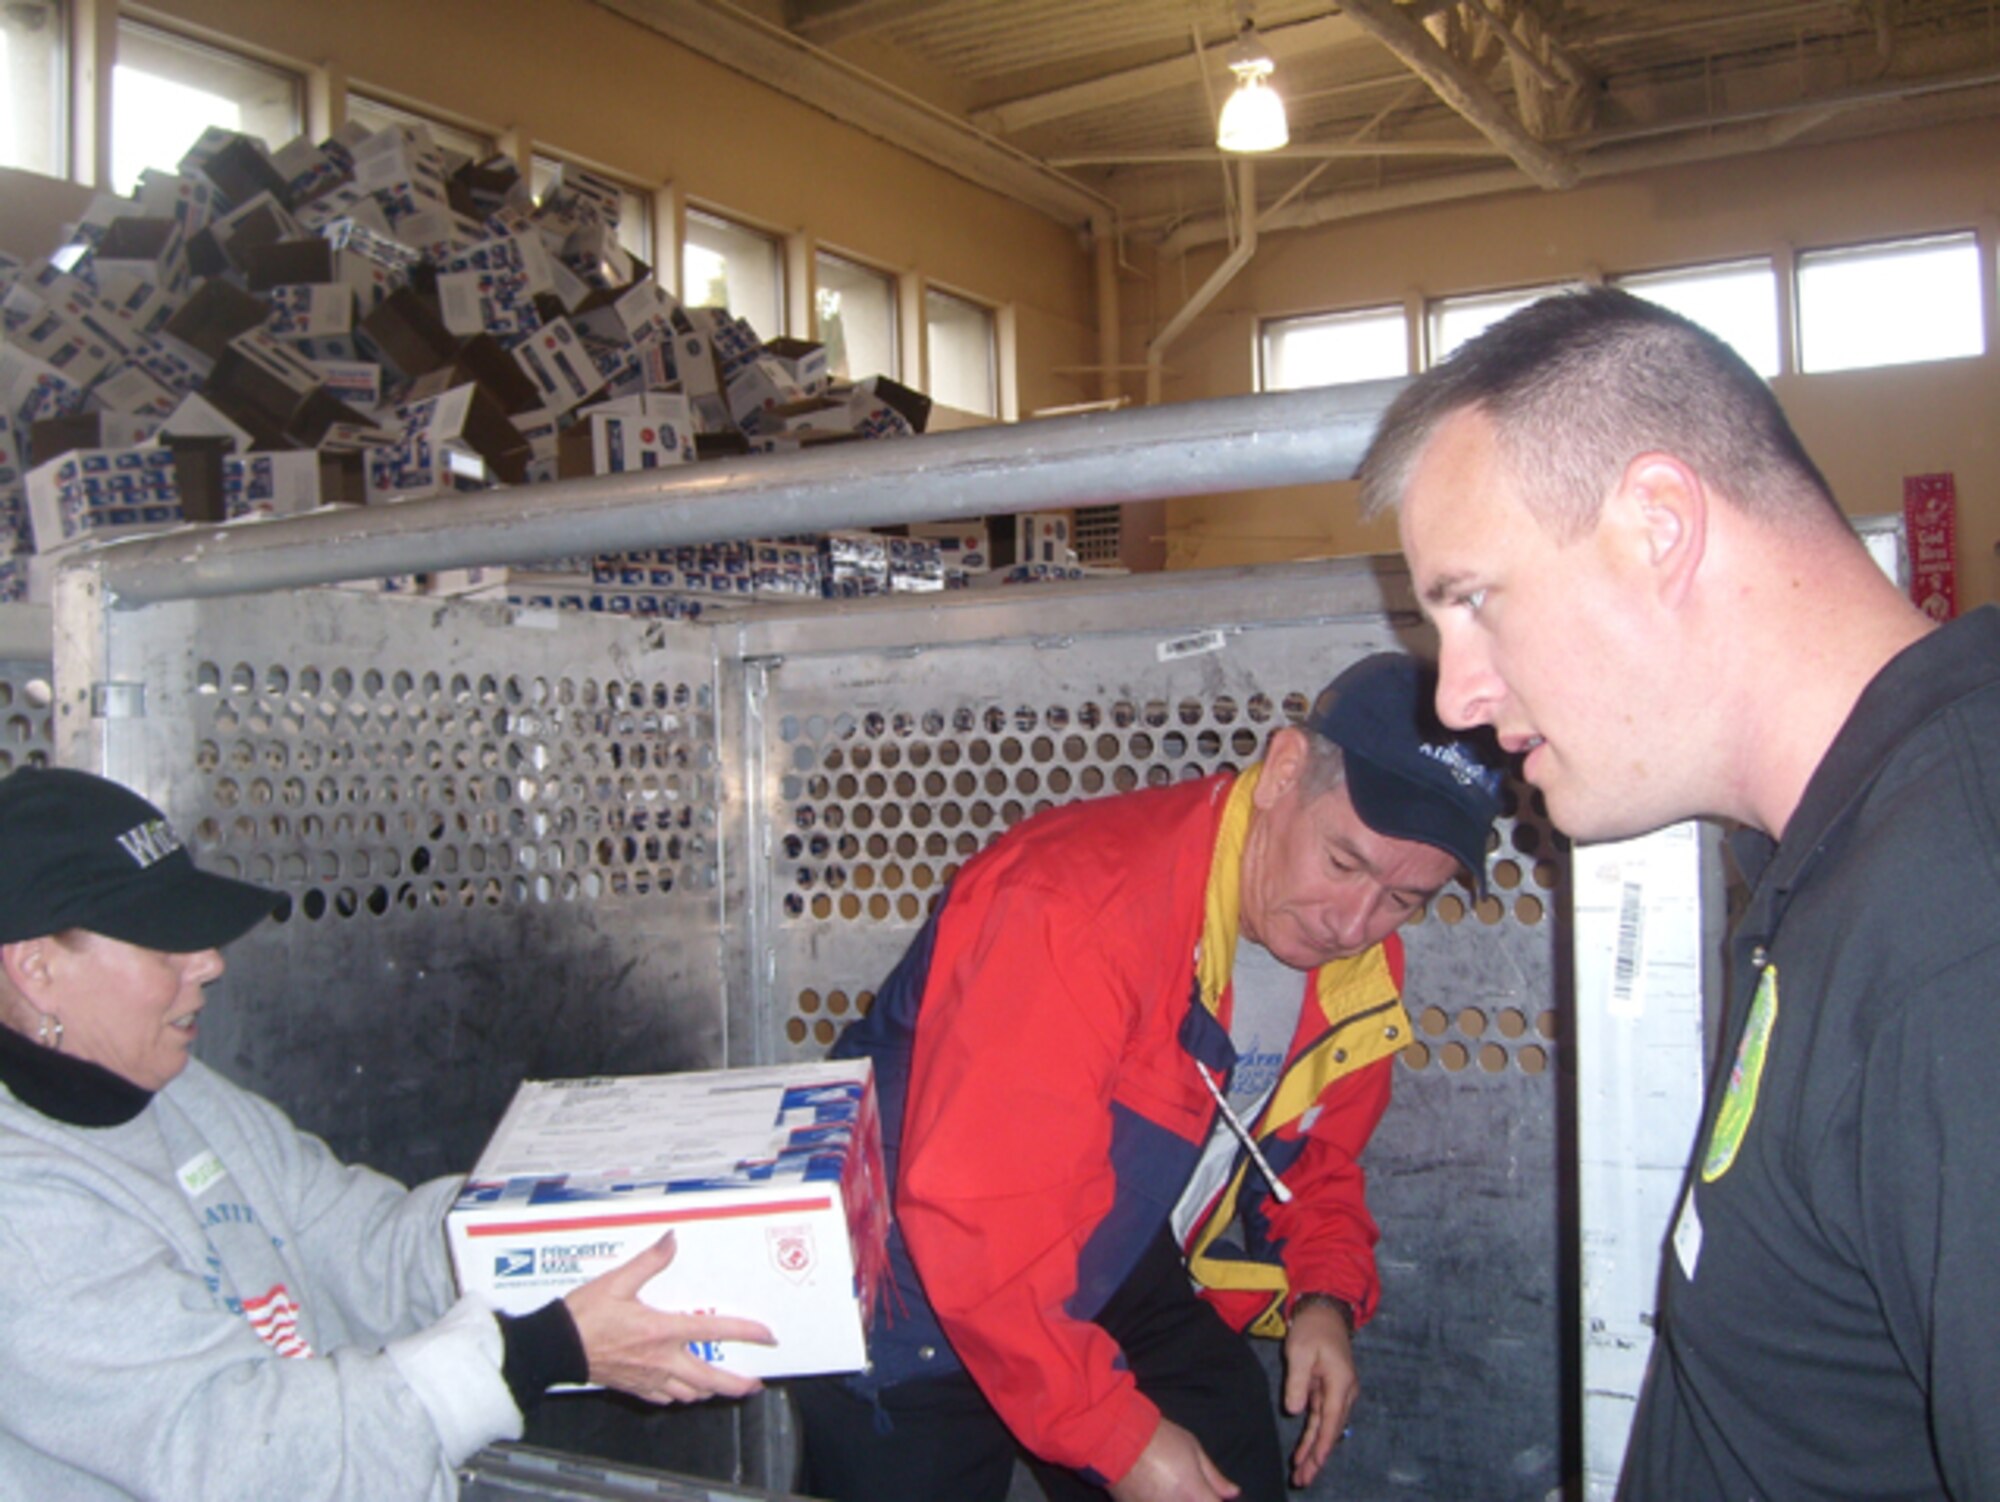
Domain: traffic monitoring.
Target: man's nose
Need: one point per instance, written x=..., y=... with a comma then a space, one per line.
x=1469, y=691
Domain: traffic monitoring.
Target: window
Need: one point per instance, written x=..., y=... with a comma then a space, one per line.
x=166, y=90
x=964, y=353
x=1098, y=533
x=1453, y=320
x=635, y=209
x=854, y=307
x=1890, y=304
x=32, y=93
x=379, y=114
x=1330, y=349
x=1736, y=302
x=729, y=265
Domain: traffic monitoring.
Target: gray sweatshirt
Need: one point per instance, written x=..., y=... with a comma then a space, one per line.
x=201, y=1301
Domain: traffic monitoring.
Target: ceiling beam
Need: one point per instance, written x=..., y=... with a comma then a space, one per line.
x=1609, y=154
x=1297, y=152
x=782, y=62
x=1390, y=24
x=1153, y=78
x=824, y=22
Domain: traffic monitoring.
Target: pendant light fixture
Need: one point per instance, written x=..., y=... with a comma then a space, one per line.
x=1253, y=117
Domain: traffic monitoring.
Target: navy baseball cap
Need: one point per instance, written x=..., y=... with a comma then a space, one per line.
x=1408, y=775
x=80, y=851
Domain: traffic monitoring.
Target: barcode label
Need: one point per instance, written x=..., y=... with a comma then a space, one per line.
x=1628, y=963
x=1190, y=646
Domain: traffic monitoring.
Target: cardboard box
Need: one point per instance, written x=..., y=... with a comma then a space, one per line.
x=1042, y=537
x=283, y=263
x=215, y=314
x=555, y=360
x=771, y=1180
x=804, y=359
x=492, y=286
x=648, y=431
x=98, y=493
x=913, y=407
x=309, y=310
x=281, y=483
x=759, y=387
x=238, y=165
x=443, y=441
x=405, y=333
x=961, y=545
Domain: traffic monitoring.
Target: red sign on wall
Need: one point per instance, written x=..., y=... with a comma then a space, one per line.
x=1930, y=521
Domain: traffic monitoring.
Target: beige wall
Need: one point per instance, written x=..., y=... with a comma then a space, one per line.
x=579, y=80
x=1867, y=428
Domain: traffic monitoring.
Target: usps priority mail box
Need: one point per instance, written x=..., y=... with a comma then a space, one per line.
x=771, y=1180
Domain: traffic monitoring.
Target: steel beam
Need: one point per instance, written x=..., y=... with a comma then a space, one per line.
x=1095, y=459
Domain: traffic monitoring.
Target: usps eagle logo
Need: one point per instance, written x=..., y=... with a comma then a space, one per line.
x=515, y=1262
x=791, y=1251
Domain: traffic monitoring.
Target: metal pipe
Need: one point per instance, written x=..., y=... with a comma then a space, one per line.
x=1144, y=454
x=1222, y=276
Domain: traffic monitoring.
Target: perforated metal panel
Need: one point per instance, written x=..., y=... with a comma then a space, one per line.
x=499, y=840
x=26, y=714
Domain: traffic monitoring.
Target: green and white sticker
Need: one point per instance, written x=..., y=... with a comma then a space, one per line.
x=1739, y=1097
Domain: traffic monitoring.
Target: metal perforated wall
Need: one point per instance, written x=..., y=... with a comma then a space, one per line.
x=26, y=713
x=498, y=834
x=362, y=788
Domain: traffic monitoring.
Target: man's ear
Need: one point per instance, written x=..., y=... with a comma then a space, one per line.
x=1661, y=511
x=1284, y=764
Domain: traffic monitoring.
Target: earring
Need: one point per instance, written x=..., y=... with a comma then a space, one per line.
x=50, y=1033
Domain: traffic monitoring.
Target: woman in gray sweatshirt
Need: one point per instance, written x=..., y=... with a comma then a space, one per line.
x=201, y=1301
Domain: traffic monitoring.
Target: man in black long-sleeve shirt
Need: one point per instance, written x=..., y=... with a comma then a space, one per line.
x=1641, y=580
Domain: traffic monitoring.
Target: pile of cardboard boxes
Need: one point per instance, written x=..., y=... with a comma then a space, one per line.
x=370, y=320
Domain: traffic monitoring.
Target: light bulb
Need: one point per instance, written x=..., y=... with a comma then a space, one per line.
x=1253, y=118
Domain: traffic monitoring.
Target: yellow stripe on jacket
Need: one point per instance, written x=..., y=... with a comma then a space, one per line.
x=1365, y=1021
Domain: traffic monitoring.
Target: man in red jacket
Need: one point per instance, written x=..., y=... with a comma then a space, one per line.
x=1140, y=1047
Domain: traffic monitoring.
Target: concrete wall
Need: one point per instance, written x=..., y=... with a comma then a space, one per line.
x=1867, y=429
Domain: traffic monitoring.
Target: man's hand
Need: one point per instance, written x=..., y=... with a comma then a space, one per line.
x=1173, y=1468
x=1320, y=1383
x=637, y=1349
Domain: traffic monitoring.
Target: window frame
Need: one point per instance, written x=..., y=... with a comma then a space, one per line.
x=1854, y=250
x=990, y=314
x=780, y=267
x=892, y=286
x=436, y=122
x=1435, y=308
x=189, y=42
x=59, y=124
x=1330, y=316
x=1625, y=280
